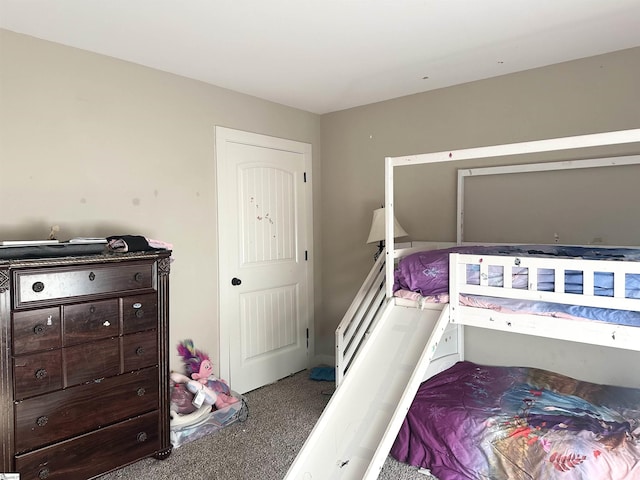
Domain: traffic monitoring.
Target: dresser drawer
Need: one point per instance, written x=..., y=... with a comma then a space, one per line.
x=139, y=312
x=98, y=452
x=91, y=361
x=91, y=321
x=37, y=373
x=66, y=284
x=66, y=413
x=36, y=330
x=140, y=350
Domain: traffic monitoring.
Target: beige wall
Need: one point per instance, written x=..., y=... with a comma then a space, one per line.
x=585, y=96
x=100, y=146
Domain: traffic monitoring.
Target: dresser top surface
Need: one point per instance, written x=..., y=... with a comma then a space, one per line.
x=62, y=254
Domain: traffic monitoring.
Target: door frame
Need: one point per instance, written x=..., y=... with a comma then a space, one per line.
x=222, y=136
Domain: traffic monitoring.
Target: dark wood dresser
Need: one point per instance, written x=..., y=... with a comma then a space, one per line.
x=84, y=385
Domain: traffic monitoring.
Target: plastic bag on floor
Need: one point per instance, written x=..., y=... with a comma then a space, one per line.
x=204, y=421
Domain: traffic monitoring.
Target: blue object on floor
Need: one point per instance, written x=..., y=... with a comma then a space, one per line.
x=327, y=374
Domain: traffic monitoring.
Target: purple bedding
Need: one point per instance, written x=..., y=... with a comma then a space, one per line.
x=549, y=309
x=477, y=422
x=427, y=273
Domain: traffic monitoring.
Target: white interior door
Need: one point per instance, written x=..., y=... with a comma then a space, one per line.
x=264, y=246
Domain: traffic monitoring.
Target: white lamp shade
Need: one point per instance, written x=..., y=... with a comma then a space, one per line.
x=377, y=233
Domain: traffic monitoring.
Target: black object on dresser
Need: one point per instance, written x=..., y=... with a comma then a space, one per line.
x=84, y=386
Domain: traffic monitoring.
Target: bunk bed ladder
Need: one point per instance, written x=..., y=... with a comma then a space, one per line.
x=360, y=318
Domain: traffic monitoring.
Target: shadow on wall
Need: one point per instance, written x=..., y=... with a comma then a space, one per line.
x=42, y=230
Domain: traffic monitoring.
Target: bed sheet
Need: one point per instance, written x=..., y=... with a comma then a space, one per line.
x=529, y=307
x=550, y=309
x=479, y=422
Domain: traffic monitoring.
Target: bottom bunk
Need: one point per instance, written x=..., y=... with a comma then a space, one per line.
x=476, y=422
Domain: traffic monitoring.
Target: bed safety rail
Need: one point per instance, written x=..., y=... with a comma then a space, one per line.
x=532, y=267
x=495, y=277
x=360, y=318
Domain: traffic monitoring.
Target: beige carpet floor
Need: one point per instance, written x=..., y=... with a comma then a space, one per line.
x=281, y=416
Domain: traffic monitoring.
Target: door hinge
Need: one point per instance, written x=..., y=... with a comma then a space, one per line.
x=305, y=177
x=307, y=338
x=306, y=256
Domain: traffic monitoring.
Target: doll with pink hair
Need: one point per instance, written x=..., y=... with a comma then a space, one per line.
x=200, y=379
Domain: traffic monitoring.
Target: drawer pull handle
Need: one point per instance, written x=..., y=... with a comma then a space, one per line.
x=42, y=421
x=41, y=373
x=138, y=277
x=92, y=309
x=142, y=437
x=38, y=287
x=92, y=276
x=139, y=351
x=139, y=313
x=44, y=473
x=39, y=329
x=141, y=391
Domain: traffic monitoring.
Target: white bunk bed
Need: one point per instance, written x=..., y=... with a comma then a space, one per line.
x=386, y=347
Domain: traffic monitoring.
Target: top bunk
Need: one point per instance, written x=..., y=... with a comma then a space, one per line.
x=531, y=289
x=541, y=290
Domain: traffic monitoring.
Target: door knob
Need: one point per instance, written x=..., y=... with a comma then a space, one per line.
x=235, y=281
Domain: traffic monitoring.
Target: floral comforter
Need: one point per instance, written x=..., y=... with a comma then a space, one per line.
x=478, y=422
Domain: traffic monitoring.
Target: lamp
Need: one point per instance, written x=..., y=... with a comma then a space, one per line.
x=377, y=232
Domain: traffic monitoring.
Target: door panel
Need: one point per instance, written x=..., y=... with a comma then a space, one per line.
x=268, y=216
x=268, y=322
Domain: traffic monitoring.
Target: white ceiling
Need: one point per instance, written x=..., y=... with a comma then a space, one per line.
x=328, y=55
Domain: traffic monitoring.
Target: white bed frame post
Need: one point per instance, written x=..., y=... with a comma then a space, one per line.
x=389, y=224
